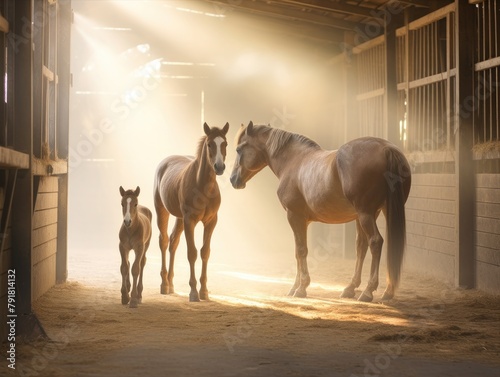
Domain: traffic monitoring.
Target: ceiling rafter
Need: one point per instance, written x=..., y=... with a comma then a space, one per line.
x=331, y=7
x=286, y=13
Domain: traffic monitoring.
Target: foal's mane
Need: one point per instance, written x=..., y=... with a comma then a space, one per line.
x=199, y=148
x=279, y=138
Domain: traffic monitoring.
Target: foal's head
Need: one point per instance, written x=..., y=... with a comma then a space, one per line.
x=129, y=204
x=216, y=144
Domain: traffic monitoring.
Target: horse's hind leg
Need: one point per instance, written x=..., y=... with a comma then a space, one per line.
x=174, y=242
x=375, y=242
x=162, y=216
x=361, y=248
x=124, y=270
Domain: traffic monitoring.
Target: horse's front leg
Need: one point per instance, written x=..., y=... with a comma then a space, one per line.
x=205, y=254
x=136, y=269
x=299, y=226
x=124, y=270
x=141, y=274
x=192, y=255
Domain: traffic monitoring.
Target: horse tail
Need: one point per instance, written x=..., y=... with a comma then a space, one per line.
x=398, y=178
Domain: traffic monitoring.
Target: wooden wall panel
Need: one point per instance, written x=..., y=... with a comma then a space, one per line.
x=487, y=232
x=44, y=236
x=44, y=276
x=430, y=225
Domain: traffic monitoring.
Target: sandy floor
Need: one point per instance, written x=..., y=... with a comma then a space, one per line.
x=250, y=328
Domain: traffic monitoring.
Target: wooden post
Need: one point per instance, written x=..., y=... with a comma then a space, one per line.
x=391, y=83
x=351, y=130
x=62, y=137
x=22, y=205
x=464, y=168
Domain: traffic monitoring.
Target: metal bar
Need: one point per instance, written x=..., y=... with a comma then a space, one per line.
x=448, y=80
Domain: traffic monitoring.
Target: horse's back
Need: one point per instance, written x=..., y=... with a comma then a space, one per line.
x=362, y=166
x=171, y=167
x=168, y=178
x=145, y=211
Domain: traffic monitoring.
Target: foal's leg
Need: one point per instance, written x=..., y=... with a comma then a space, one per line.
x=141, y=274
x=361, y=248
x=162, y=221
x=136, y=268
x=192, y=255
x=375, y=242
x=175, y=237
x=302, y=279
x=124, y=269
x=205, y=254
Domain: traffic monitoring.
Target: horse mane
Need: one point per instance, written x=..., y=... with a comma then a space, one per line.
x=199, y=148
x=279, y=138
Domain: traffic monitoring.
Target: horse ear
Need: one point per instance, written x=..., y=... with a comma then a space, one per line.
x=206, y=128
x=137, y=191
x=225, y=129
x=122, y=191
x=249, y=129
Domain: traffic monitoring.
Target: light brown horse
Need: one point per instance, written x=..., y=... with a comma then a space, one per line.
x=135, y=233
x=186, y=187
x=355, y=182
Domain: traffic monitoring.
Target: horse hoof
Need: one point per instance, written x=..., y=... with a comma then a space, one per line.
x=291, y=293
x=133, y=303
x=300, y=293
x=347, y=293
x=366, y=297
x=193, y=297
x=171, y=290
x=204, y=295
x=387, y=296
x=164, y=289
x=125, y=300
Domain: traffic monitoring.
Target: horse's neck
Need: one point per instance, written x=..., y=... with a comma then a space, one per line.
x=288, y=156
x=204, y=173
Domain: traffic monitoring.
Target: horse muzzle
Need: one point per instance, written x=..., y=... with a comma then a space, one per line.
x=127, y=222
x=219, y=168
x=236, y=181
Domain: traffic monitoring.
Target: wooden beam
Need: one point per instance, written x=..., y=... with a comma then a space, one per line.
x=4, y=25
x=340, y=7
x=49, y=167
x=464, y=168
x=278, y=12
x=10, y=158
x=22, y=205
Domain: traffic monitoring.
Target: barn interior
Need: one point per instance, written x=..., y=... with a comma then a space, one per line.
x=97, y=93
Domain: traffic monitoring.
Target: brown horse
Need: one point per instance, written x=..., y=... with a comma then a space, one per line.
x=186, y=187
x=135, y=233
x=355, y=182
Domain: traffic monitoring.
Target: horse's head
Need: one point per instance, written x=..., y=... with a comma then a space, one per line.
x=216, y=145
x=250, y=158
x=129, y=204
